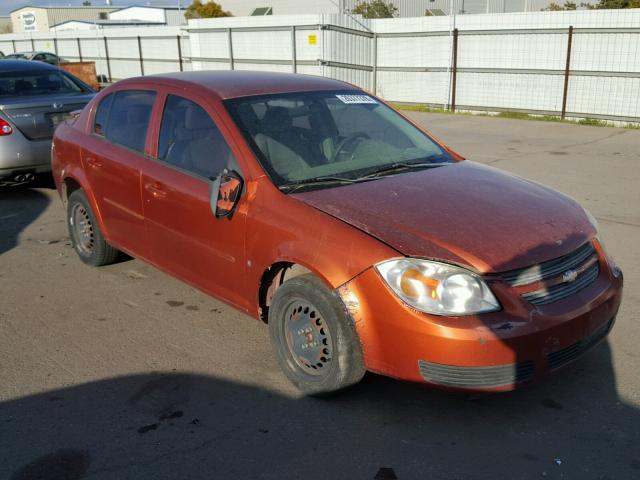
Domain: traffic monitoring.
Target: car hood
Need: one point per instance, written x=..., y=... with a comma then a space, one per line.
x=465, y=213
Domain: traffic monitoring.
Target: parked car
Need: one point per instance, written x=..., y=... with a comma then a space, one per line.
x=34, y=98
x=46, y=57
x=365, y=243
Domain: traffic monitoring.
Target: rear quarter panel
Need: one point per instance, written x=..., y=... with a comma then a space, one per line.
x=66, y=160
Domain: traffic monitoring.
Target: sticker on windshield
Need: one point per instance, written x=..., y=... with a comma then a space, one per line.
x=355, y=99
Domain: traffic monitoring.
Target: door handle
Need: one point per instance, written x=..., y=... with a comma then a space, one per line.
x=155, y=190
x=93, y=162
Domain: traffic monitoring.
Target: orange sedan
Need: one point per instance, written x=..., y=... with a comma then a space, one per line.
x=362, y=241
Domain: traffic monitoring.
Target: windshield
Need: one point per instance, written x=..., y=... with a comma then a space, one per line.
x=349, y=135
x=37, y=83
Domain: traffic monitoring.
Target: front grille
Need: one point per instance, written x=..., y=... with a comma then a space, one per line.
x=568, y=354
x=583, y=259
x=476, y=377
x=550, y=268
x=563, y=290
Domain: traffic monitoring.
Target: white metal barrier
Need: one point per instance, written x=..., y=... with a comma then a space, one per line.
x=578, y=64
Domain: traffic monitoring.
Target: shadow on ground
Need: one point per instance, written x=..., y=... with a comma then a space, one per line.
x=19, y=207
x=184, y=426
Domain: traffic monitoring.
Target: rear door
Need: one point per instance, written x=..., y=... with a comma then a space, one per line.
x=112, y=157
x=185, y=237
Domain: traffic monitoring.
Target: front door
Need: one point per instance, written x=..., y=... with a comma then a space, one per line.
x=185, y=237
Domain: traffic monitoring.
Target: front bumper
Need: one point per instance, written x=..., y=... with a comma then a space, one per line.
x=495, y=351
x=18, y=155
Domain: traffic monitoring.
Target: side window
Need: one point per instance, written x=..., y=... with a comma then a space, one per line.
x=100, y=121
x=189, y=139
x=129, y=118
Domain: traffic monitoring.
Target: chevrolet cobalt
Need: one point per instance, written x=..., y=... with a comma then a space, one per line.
x=362, y=241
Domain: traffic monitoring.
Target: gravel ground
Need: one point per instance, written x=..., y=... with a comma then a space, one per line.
x=123, y=372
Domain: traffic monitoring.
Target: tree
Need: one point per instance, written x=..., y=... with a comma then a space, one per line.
x=205, y=10
x=375, y=9
x=613, y=4
x=554, y=7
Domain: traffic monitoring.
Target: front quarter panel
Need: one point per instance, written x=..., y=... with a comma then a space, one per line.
x=282, y=229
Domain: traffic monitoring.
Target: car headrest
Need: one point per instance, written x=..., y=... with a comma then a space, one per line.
x=23, y=86
x=277, y=119
x=138, y=113
x=196, y=119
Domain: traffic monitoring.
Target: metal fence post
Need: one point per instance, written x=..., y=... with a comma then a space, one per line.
x=294, y=67
x=106, y=56
x=374, y=71
x=454, y=70
x=229, y=32
x=79, y=48
x=140, y=55
x=567, y=73
x=180, y=52
x=13, y=44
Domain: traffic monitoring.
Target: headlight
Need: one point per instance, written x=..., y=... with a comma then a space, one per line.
x=437, y=288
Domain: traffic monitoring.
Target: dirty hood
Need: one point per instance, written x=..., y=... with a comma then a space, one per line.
x=465, y=213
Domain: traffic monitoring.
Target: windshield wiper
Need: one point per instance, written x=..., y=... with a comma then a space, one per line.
x=399, y=166
x=326, y=180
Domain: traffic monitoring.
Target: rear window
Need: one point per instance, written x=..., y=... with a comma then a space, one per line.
x=128, y=118
x=38, y=83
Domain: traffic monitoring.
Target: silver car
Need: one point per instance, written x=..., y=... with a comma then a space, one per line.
x=34, y=98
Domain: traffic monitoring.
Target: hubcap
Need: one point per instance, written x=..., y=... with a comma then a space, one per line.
x=308, y=337
x=82, y=229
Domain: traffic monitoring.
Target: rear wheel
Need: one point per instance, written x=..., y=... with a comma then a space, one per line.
x=86, y=237
x=314, y=338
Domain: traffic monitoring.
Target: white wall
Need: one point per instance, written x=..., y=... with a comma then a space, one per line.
x=505, y=61
x=159, y=48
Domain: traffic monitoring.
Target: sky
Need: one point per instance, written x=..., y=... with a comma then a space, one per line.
x=7, y=6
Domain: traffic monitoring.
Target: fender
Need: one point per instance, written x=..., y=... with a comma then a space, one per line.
x=284, y=229
x=76, y=174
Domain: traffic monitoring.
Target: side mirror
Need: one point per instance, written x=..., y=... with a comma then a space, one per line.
x=225, y=193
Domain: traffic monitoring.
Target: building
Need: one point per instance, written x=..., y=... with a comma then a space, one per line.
x=170, y=16
x=40, y=19
x=5, y=24
x=133, y=16
x=101, y=25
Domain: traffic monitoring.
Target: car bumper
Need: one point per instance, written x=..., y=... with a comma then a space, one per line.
x=19, y=155
x=496, y=351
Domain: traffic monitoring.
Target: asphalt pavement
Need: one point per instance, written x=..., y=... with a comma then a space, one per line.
x=123, y=372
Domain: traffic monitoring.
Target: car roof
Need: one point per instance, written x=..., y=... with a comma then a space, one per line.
x=10, y=65
x=241, y=83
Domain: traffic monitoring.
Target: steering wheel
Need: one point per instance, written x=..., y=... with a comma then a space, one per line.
x=352, y=140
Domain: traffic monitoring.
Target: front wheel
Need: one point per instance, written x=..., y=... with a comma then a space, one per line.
x=314, y=338
x=86, y=237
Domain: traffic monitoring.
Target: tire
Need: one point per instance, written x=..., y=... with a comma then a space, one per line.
x=86, y=238
x=313, y=337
